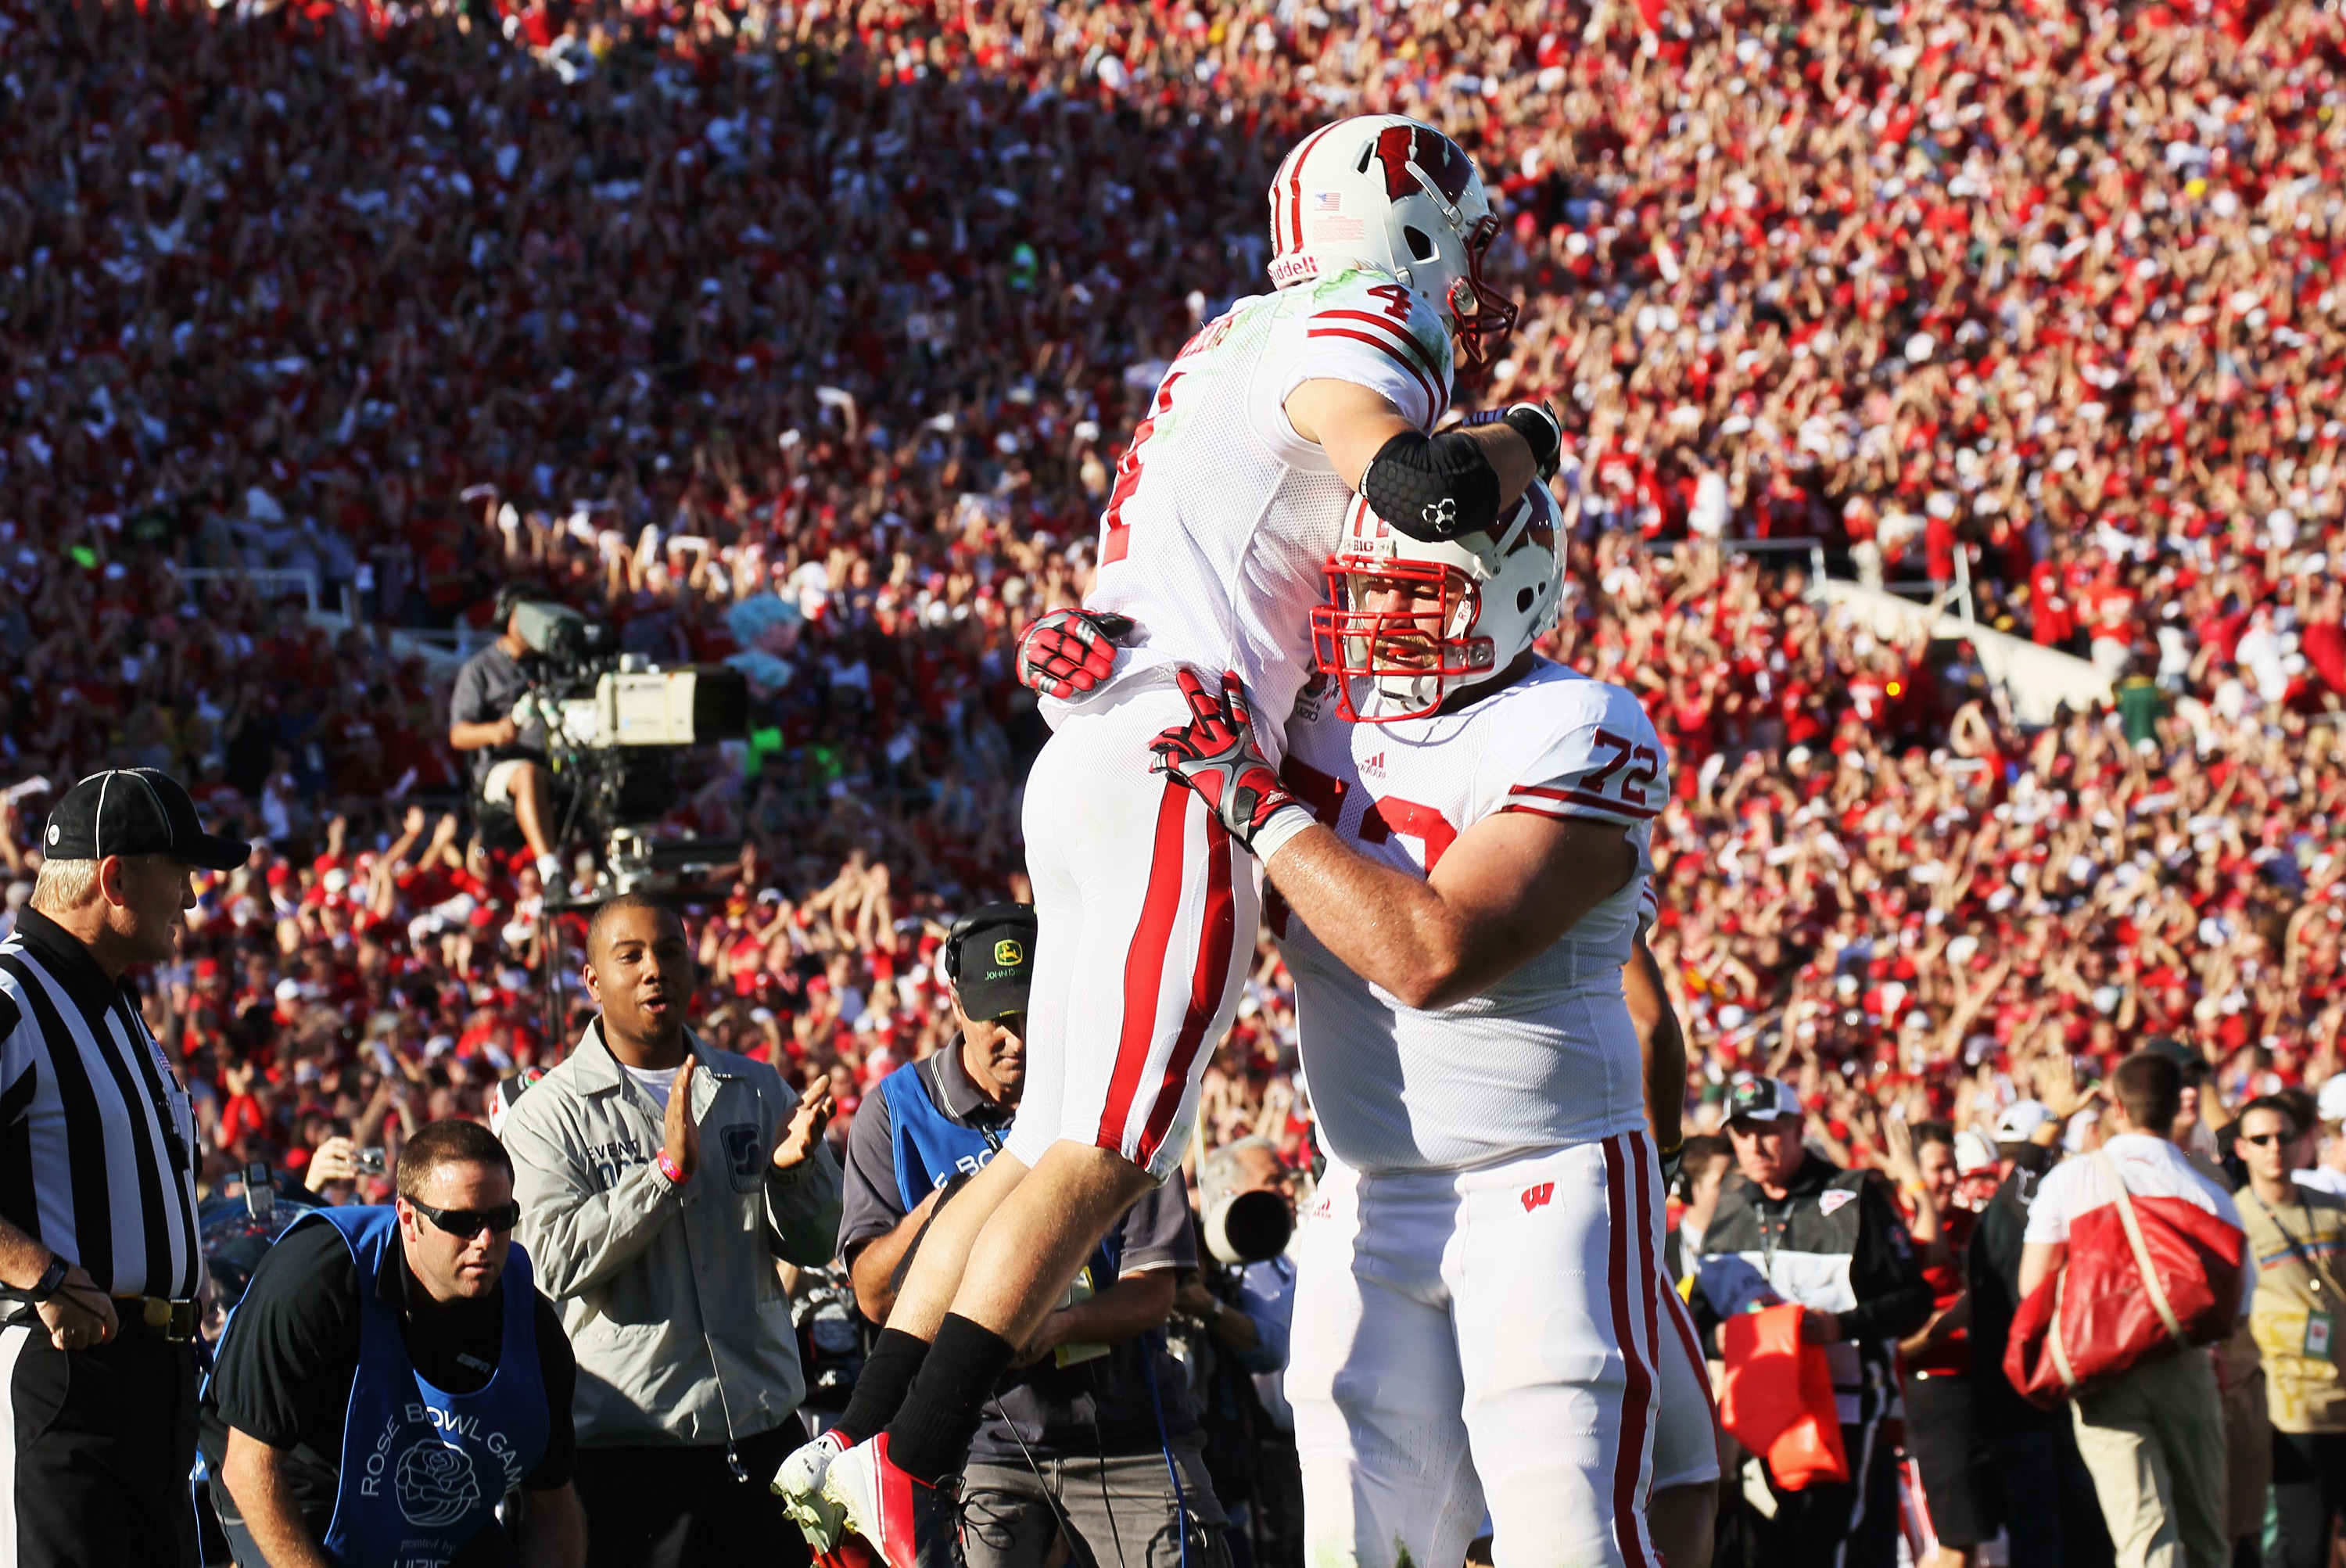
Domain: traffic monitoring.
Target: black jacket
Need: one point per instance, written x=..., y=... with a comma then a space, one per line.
x=1992, y=1272
x=1832, y=1242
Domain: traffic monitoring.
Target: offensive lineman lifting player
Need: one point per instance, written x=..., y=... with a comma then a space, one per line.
x=1479, y=1284
x=1227, y=505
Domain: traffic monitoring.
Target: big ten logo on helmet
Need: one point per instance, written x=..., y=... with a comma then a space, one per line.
x=1312, y=701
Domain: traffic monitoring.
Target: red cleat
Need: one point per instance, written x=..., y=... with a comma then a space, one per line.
x=900, y=1520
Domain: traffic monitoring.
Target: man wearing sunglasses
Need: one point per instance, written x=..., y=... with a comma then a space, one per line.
x=2298, y=1237
x=392, y=1375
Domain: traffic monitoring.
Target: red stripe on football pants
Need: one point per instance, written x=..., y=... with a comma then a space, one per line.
x=1214, y=936
x=1631, y=1263
x=1144, y=966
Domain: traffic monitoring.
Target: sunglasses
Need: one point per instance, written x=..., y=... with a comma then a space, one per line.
x=468, y=1223
x=2263, y=1140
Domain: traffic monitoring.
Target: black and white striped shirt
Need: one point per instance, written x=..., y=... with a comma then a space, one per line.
x=96, y=1136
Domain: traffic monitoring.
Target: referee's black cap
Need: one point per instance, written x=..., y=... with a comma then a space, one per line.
x=135, y=811
x=989, y=959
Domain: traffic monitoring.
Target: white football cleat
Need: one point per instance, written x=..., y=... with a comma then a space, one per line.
x=799, y=1483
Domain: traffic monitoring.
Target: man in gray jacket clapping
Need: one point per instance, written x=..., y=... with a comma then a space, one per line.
x=659, y=1181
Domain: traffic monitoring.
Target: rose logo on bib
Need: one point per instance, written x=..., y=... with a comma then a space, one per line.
x=436, y=1484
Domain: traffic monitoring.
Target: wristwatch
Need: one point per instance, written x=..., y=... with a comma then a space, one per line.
x=52, y=1280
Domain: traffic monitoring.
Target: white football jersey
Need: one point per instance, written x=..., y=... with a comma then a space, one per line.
x=1216, y=534
x=1547, y=1057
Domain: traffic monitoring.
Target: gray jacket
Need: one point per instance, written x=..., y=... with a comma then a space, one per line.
x=669, y=1294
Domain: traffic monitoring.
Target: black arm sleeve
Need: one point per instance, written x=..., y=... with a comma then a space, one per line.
x=1892, y=1300
x=1433, y=487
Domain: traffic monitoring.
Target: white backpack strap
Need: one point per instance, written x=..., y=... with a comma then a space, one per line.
x=2053, y=1337
x=2151, y=1287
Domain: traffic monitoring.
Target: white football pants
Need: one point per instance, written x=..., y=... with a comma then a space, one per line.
x=1478, y=1338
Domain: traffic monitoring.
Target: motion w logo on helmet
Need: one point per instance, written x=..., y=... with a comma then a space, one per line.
x=1408, y=151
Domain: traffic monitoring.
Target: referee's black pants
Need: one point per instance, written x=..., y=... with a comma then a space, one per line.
x=98, y=1445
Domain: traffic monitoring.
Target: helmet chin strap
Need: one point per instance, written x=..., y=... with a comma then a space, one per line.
x=1409, y=693
x=1456, y=219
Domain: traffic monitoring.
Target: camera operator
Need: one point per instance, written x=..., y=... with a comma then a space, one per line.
x=1236, y=1315
x=1081, y=1431
x=510, y=766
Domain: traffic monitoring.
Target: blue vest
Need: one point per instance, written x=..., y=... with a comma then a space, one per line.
x=423, y=1470
x=931, y=1147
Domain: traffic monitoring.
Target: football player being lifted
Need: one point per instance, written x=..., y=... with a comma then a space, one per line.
x=1266, y=428
x=1459, y=837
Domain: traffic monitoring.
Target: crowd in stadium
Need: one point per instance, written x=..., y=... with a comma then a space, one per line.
x=609, y=311
x=808, y=336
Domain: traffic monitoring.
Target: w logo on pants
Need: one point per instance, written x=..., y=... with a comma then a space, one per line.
x=1537, y=1195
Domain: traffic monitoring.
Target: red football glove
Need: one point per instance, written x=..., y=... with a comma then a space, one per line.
x=1216, y=755
x=1067, y=651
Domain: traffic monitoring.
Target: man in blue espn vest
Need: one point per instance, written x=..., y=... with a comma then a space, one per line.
x=392, y=1376
x=1089, y=1425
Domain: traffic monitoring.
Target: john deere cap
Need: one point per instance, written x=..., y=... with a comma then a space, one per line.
x=134, y=811
x=989, y=959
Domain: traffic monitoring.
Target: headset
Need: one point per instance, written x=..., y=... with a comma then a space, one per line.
x=1003, y=914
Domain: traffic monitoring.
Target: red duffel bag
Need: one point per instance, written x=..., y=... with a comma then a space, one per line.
x=2144, y=1278
x=1778, y=1400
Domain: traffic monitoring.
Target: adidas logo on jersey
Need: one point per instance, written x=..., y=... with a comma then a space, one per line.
x=1375, y=766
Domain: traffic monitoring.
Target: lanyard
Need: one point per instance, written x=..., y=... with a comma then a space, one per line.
x=2298, y=1249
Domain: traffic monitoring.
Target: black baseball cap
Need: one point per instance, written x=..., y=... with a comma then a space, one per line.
x=989, y=959
x=135, y=811
x=1763, y=1100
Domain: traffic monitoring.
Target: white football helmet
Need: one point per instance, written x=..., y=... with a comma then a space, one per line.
x=1397, y=195
x=1416, y=621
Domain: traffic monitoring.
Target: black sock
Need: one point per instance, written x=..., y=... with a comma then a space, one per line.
x=880, y=1387
x=930, y=1437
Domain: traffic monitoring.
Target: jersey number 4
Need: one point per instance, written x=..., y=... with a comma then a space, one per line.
x=1115, y=533
x=1396, y=298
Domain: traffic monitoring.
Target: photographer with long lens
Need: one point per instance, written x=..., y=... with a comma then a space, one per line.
x=1236, y=1315
x=511, y=767
x=1085, y=1435
x=391, y=1375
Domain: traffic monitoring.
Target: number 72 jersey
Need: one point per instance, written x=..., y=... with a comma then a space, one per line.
x=1547, y=1056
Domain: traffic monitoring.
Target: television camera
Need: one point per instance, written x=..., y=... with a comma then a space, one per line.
x=615, y=724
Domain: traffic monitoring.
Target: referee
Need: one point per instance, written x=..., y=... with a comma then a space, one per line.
x=98, y=1251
